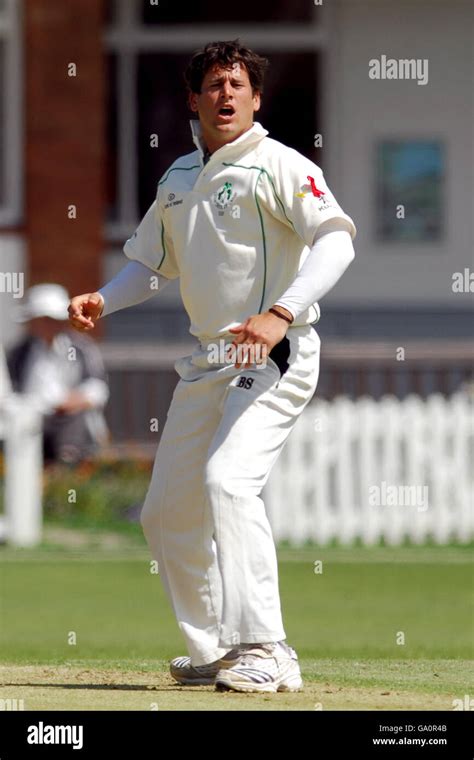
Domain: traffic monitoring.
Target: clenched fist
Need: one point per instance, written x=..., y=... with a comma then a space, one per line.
x=85, y=310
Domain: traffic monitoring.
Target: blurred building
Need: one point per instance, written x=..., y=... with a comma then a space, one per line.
x=92, y=112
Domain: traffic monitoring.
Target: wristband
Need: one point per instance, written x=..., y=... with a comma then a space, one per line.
x=282, y=316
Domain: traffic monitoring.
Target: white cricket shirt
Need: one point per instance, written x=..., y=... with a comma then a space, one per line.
x=236, y=229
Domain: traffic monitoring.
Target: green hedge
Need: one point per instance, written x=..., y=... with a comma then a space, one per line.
x=94, y=492
x=100, y=492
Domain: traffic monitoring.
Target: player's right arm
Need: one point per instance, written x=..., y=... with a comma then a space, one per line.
x=152, y=265
x=84, y=310
x=134, y=284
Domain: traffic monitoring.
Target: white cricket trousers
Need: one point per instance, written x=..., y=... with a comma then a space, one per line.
x=203, y=517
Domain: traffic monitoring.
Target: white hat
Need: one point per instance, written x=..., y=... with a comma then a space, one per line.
x=46, y=300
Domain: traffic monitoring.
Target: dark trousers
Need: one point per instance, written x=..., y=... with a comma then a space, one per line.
x=66, y=438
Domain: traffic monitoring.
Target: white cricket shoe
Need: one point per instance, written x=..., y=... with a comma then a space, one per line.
x=199, y=675
x=262, y=667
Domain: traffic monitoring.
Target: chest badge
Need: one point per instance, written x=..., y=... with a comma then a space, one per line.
x=223, y=197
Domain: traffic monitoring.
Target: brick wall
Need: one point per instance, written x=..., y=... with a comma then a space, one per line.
x=64, y=141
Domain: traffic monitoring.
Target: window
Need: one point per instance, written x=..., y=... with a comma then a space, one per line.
x=10, y=113
x=409, y=191
x=3, y=152
x=148, y=46
x=217, y=12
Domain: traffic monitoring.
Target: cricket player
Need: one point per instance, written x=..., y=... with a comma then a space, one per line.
x=256, y=238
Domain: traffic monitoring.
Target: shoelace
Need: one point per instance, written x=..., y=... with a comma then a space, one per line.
x=255, y=652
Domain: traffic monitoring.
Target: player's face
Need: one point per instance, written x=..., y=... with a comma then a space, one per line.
x=226, y=105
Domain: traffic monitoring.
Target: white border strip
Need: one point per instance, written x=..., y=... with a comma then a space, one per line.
x=10, y=22
x=176, y=38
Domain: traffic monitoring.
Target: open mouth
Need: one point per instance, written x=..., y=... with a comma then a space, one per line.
x=226, y=111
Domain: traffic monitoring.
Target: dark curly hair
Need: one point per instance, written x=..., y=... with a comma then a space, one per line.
x=225, y=54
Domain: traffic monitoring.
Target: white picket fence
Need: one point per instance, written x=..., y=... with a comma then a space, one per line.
x=21, y=431
x=350, y=470
x=369, y=469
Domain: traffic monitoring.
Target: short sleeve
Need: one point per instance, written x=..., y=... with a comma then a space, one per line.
x=296, y=193
x=151, y=246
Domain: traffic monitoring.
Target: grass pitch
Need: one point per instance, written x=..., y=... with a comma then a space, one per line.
x=379, y=629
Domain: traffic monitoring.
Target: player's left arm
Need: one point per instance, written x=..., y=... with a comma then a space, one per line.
x=328, y=259
x=326, y=262
x=295, y=192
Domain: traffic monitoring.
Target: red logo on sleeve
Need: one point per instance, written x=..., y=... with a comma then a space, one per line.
x=317, y=193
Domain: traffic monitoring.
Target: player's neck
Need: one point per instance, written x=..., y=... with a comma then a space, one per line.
x=211, y=145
